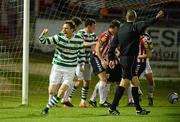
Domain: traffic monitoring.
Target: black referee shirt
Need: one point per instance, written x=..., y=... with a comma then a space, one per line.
x=127, y=38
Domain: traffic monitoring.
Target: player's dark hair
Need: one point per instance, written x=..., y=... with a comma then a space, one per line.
x=89, y=21
x=115, y=23
x=77, y=20
x=71, y=24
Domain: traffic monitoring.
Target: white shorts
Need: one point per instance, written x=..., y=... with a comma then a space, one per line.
x=60, y=75
x=86, y=74
x=147, y=70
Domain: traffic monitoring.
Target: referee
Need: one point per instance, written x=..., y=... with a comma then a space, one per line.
x=128, y=41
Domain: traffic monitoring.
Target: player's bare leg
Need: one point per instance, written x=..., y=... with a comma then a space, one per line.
x=65, y=100
x=53, y=90
x=55, y=99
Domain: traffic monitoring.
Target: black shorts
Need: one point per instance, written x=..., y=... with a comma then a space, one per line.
x=128, y=64
x=114, y=75
x=140, y=68
x=96, y=64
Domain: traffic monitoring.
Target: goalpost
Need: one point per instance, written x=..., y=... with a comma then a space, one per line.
x=25, y=72
x=26, y=64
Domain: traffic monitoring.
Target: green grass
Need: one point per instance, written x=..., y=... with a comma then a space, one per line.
x=31, y=114
x=10, y=109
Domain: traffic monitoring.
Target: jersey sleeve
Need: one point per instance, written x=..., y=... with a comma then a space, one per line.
x=141, y=25
x=96, y=38
x=49, y=40
x=81, y=55
x=114, y=45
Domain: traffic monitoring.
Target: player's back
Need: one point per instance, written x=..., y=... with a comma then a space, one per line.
x=128, y=39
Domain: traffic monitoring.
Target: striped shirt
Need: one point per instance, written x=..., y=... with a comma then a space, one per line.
x=87, y=37
x=105, y=40
x=68, y=52
x=144, y=45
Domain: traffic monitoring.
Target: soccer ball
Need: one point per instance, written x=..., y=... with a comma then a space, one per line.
x=173, y=97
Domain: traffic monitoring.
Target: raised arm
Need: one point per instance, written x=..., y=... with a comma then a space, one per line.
x=144, y=24
x=48, y=40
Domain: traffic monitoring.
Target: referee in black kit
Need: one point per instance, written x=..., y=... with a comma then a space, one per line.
x=128, y=41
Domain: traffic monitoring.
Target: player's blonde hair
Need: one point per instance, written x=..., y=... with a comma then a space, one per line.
x=131, y=15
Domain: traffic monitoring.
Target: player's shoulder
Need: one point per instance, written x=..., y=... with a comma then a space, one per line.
x=81, y=31
x=93, y=33
x=78, y=38
x=60, y=34
x=138, y=24
x=105, y=33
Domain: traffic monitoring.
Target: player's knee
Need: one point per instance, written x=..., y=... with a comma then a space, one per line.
x=77, y=83
x=125, y=83
x=67, y=84
x=135, y=81
x=63, y=88
x=86, y=83
x=53, y=88
x=52, y=92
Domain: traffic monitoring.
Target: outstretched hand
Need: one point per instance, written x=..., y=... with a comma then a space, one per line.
x=160, y=14
x=45, y=31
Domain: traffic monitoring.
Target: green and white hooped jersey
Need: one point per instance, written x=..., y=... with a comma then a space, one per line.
x=87, y=37
x=68, y=52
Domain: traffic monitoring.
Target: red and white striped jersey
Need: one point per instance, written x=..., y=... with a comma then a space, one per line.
x=144, y=45
x=104, y=41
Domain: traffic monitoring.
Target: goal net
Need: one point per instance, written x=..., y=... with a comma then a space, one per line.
x=51, y=14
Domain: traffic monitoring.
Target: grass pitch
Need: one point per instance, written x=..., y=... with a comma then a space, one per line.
x=162, y=111
x=12, y=112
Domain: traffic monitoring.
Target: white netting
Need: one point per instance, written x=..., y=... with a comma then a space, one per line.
x=50, y=14
x=10, y=47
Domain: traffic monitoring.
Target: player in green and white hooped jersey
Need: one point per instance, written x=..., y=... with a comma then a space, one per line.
x=90, y=38
x=53, y=91
x=65, y=100
x=68, y=53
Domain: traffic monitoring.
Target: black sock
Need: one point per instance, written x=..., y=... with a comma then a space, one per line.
x=53, y=101
x=136, y=98
x=117, y=97
x=74, y=89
